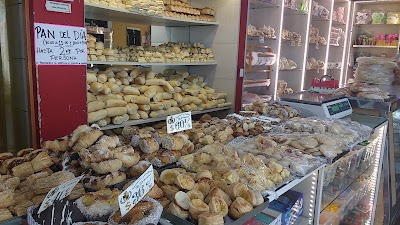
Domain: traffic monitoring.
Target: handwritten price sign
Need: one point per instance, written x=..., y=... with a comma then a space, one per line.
x=179, y=122
x=59, y=193
x=136, y=191
x=60, y=45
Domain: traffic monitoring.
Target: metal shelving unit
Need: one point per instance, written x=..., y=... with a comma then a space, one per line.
x=149, y=64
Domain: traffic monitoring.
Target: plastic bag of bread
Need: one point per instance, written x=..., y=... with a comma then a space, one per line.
x=147, y=211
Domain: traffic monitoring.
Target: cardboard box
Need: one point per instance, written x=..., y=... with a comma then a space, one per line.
x=266, y=217
x=290, y=205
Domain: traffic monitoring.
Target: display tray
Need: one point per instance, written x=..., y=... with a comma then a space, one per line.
x=310, y=98
x=14, y=221
x=124, y=63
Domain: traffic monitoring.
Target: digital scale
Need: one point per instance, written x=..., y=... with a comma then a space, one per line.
x=319, y=105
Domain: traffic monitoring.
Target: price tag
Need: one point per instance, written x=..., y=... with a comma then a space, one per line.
x=136, y=191
x=293, y=43
x=262, y=40
x=179, y=122
x=59, y=193
x=299, y=43
x=317, y=45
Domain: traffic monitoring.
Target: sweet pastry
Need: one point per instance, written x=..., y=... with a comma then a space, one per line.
x=195, y=194
x=23, y=152
x=218, y=205
x=182, y=200
x=127, y=155
x=3, y=157
x=6, y=199
x=9, y=182
x=5, y=214
x=184, y=182
x=21, y=208
x=77, y=192
x=108, y=166
x=169, y=191
x=148, y=145
x=99, y=182
x=146, y=211
x=45, y=184
x=41, y=161
x=19, y=167
x=197, y=207
x=169, y=176
x=138, y=169
x=87, y=139
x=155, y=192
x=101, y=203
x=239, y=208
x=216, y=192
x=210, y=219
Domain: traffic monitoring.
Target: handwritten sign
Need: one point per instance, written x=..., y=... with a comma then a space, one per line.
x=179, y=122
x=59, y=193
x=136, y=191
x=60, y=45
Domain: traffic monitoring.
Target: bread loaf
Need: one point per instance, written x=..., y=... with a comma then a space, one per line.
x=95, y=106
x=116, y=111
x=97, y=115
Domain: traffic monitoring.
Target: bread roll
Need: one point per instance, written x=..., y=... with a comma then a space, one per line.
x=77, y=133
x=143, y=115
x=158, y=113
x=210, y=219
x=158, y=97
x=118, y=120
x=90, y=97
x=148, y=145
x=130, y=91
x=95, y=106
x=140, y=80
x=143, y=100
x=106, y=91
x=96, y=87
x=97, y=115
x=239, y=208
x=104, y=122
x=144, y=107
x=115, y=103
x=90, y=78
x=87, y=139
x=178, y=98
x=134, y=116
x=132, y=108
x=41, y=161
x=102, y=78
x=156, y=106
x=116, y=111
x=103, y=98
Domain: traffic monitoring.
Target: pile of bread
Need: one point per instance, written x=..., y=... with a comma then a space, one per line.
x=146, y=7
x=171, y=53
x=25, y=180
x=96, y=50
x=224, y=163
x=362, y=90
x=184, y=10
x=120, y=4
x=118, y=94
x=204, y=198
x=273, y=109
x=315, y=37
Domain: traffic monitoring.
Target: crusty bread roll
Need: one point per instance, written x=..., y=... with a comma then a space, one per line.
x=197, y=207
x=143, y=114
x=6, y=199
x=148, y=145
x=116, y=111
x=41, y=161
x=178, y=211
x=97, y=115
x=5, y=214
x=127, y=155
x=95, y=106
x=115, y=103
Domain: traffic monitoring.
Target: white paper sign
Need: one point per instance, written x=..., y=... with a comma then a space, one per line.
x=60, y=45
x=58, y=7
x=136, y=191
x=59, y=193
x=262, y=40
x=179, y=122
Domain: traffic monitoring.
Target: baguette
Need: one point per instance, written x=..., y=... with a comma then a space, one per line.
x=143, y=100
x=91, y=97
x=103, y=98
x=96, y=87
x=135, y=116
x=106, y=91
x=95, y=106
x=115, y=103
x=97, y=115
x=104, y=122
x=158, y=113
x=130, y=91
x=102, y=78
x=140, y=80
x=144, y=107
x=156, y=106
x=132, y=108
x=90, y=78
x=116, y=111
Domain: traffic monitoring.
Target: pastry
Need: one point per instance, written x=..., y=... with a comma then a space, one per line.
x=148, y=145
x=6, y=199
x=21, y=208
x=9, y=182
x=195, y=194
x=77, y=133
x=169, y=176
x=37, y=200
x=218, y=206
x=184, y=182
x=41, y=161
x=98, y=182
x=108, y=166
x=141, y=210
x=182, y=200
x=138, y=169
x=210, y=219
x=97, y=204
x=203, y=175
x=239, y=208
x=45, y=184
x=23, y=152
x=3, y=157
x=77, y=192
x=19, y=167
x=216, y=192
x=127, y=155
x=155, y=192
x=197, y=207
x=5, y=214
x=169, y=191
x=173, y=142
x=203, y=187
x=87, y=139
x=178, y=211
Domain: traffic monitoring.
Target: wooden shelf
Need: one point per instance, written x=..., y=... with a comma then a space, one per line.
x=149, y=64
x=158, y=119
x=373, y=46
x=102, y=12
x=257, y=83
